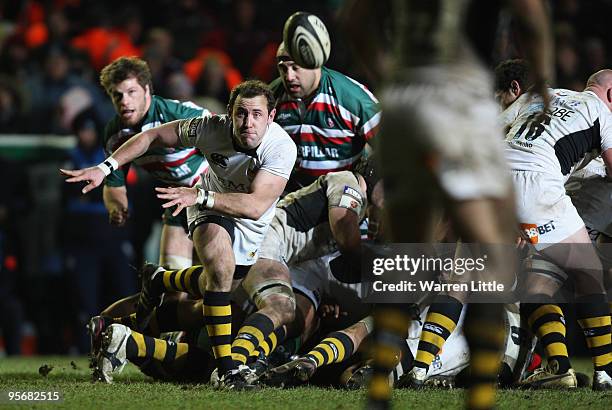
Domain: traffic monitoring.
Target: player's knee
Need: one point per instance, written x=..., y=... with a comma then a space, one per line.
x=275, y=294
x=285, y=307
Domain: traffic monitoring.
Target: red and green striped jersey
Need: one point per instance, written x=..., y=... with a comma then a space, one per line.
x=173, y=166
x=331, y=128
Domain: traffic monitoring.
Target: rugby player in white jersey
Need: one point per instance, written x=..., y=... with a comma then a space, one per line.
x=250, y=159
x=543, y=152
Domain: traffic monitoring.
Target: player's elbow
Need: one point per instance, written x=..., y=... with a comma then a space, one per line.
x=349, y=245
x=256, y=206
x=254, y=212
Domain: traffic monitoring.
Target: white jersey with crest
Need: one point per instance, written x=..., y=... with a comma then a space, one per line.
x=576, y=129
x=233, y=169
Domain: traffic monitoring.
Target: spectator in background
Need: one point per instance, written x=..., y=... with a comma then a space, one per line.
x=97, y=255
x=104, y=44
x=49, y=87
x=213, y=76
x=245, y=38
x=11, y=105
x=15, y=58
x=157, y=52
x=187, y=21
x=12, y=205
x=180, y=88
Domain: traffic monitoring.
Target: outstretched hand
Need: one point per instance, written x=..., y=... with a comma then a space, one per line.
x=93, y=176
x=181, y=197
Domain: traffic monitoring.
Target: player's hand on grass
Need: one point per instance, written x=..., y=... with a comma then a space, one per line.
x=181, y=197
x=93, y=176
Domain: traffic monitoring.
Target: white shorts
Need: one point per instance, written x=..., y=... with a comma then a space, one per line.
x=446, y=130
x=545, y=212
x=247, y=233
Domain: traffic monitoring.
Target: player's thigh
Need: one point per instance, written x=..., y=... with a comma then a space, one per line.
x=484, y=220
x=265, y=270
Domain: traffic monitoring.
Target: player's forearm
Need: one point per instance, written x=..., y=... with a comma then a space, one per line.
x=536, y=37
x=239, y=205
x=344, y=225
x=165, y=135
x=115, y=197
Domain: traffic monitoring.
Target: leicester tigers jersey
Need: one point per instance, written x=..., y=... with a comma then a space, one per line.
x=172, y=166
x=233, y=169
x=576, y=129
x=332, y=128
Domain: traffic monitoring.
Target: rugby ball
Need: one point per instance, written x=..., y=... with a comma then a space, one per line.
x=307, y=40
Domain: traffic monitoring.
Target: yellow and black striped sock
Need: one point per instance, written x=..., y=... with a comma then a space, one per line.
x=546, y=321
x=182, y=280
x=440, y=322
x=268, y=345
x=594, y=319
x=485, y=334
x=390, y=329
x=142, y=346
x=335, y=348
x=253, y=332
x=218, y=321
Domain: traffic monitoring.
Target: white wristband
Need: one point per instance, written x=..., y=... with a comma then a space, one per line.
x=201, y=194
x=205, y=199
x=109, y=165
x=210, y=200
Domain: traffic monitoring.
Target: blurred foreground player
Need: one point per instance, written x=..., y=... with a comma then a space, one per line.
x=440, y=132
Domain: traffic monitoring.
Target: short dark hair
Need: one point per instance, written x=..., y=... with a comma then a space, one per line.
x=513, y=70
x=123, y=68
x=250, y=89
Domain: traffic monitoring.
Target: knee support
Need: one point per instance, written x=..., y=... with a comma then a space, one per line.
x=174, y=262
x=260, y=291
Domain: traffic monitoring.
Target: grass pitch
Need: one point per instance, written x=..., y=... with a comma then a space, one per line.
x=132, y=390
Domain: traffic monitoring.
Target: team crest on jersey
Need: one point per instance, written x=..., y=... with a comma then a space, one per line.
x=189, y=128
x=219, y=159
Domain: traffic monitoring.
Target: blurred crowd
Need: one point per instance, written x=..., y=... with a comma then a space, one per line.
x=51, y=52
